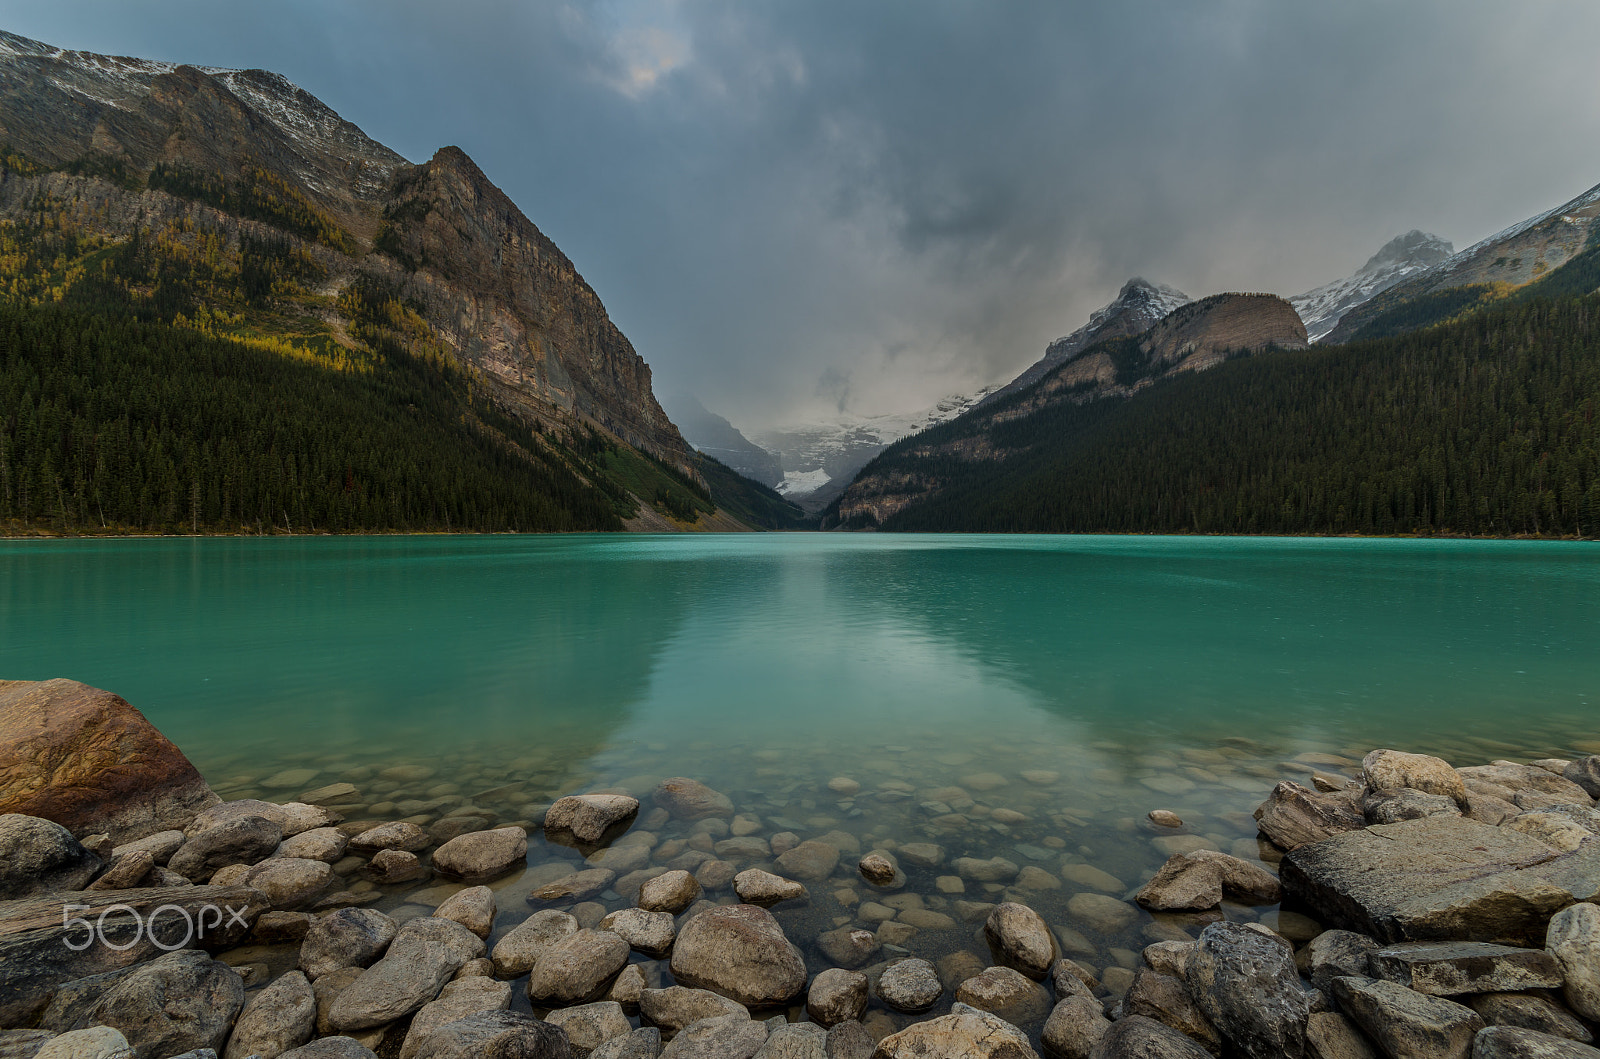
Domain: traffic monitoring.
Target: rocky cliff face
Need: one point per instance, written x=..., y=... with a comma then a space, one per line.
x=126, y=145
x=1200, y=334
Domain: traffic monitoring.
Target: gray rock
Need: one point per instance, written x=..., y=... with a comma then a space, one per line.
x=640, y=1044
x=161, y=846
x=671, y=892
x=741, y=952
x=757, y=887
x=1330, y=1035
x=403, y=836
x=22, y=1044
x=577, y=969
x=1402, y=1021
x=179, y=1001
x=677, y=1006
x=495, y=1035
x=587, y=817
x=425, y=954
x=1442, y=878
x=1070, y=978
x=1507, y=1042
x=281, y=1017
x=1167, y=957
x=1293, y=815
x=687, y=799
x=96, y=1042
x=1007, y=993
x=837, y=995
x=1020, y=939
x=1247, y=985
x=320, y=843
x=995, y=869
x=968, y=1035
x=1337, y=954
x=1182, y=884
x=40, y=856
x=1448, y=968
x=1138, y=1037
x=589, y=1026
x=517, y=952
x=457, y=1000
x=800, y=1040
x=651, y=933
x=327, y=989
x=346, y=937
x=1388, y=771
x=1074, y=1025
x=1166, y=999
x=331, y=1048
x=289, y=882
x=724, y=1037
x=1564, y=827
x=126, y=872
x=482, y=854
x=1585, y=772
x=849, y=1040
x=1529, y=1011
x=1573, y=939
x=911, y=986
x=473, y=908
x=811, y=861
x=1391, y=807
x=239, y=840
x=74, y=1001
x=389, y=866
x=849, y=946
x=574, y=887
x=292, y=818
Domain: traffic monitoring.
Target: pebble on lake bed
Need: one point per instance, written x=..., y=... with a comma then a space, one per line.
x=1165, y=818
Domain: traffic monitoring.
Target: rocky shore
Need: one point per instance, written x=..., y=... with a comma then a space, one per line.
x=1398, y=906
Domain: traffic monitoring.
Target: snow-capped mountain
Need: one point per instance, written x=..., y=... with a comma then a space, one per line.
x=1139, y=306
x=819, y=459
x=1401, y=257
x=716, y=437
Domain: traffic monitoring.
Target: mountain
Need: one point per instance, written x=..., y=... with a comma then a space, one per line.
x=1137, y=307
x=235, y=204
x=1483, y=273
x=714, y=436
x=1401, y=257
x=819, y=459
x=1005, y=433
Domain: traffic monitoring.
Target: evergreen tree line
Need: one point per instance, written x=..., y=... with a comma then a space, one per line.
x=120, y=425
x=1484, y=426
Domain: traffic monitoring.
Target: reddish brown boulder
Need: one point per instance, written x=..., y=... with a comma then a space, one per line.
x=91, y=762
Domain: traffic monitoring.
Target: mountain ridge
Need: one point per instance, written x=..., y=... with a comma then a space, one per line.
x=1403, y=256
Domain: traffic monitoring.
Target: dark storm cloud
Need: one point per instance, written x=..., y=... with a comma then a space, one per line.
x=788, y=205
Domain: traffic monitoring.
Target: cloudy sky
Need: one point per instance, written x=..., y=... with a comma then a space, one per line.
x=795, y=207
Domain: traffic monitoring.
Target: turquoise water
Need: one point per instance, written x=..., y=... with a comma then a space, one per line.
x=1065, y=685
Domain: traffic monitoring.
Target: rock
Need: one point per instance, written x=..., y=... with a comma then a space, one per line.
x=1506, y=1042
x=739, y=951
x=482, y=854
x=39, y=855
x=589, y=1026
x=577, y=969
x=457, y=1000
x=1020, y=939
x=1573, y=939
x=1101, y=913
x=1448, y=968
x=910, y=985
x=848, y=947
x=1330, y=1035
x=126, y=872
x=346, y=937
x=1585, y=772
x=877, y=869
x=1391, y=807
x=1507, y=779
x=1402, y=1021
x=240, y=840
x=1164, y=818
x=800, y=1040
x=390, y=866
x=1182, y=884
x=331, y=1048
x=494, y=1035
x=22, y=1044
x=688, y=799
x=1564, y=827
x=274, y=927
x=587, y=817
x=1442, y=878
x=810, y=861
x=971, y=1035
x=95, y=1042
x=332, y=794
x=1293, y=815
x=292, y=818
x=425, y=954
x=1075, y=1024
x=403, y=836
x=628, y=987
x=326, y=990
x=1529, y=1011
x=575, y=887
x=849, y=1040
x=87, y=760
x=320, y=843
x=473, y=908
x=1004, y=992
x=289, y=882
x=995, y=869
x=921, y=854
x=715, y=874
x=677, y=1006
x=1165, y=999
x=651, y=933
x=1337, y=954
x=176, y=1002
x=280, y=1017
x=1070, y=978
x=482, y=967
x=1388, y=771
x=725, y=1037
x=837, y=995
x=1139, y=1037
x=517, y=952
x=1168, y=957
x=757, y=887
x=671, y=892
x=1247, y=985
x=640, y=1044
x=161, y=846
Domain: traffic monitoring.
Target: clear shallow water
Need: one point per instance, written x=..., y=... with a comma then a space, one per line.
x=1180, y=673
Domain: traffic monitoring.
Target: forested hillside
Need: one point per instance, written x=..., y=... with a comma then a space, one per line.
x=1483, y=426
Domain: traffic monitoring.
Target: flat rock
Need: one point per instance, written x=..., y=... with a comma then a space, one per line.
x=1020, y=939
x=345, y=937
x=39, y=856
x=1007, y=993
x=1074, y=1025
x=811, y=861
x=1294, y=815
x=425, y=954
x=577, y=969
x=741, y=952
x=1391, y=807
x=280, y=1017
x=1102, y=913
x=331, y=1048
x=1402, y=1021
x=1573, y=939
x=970, y=1035
x=911, y=986
x=1529, y=1011
x=91, y=762
x=401, y=835
x=687, y=799
x=1441, y=878
x=588, y=1026
x=757, y=887
x=575, y=887
x=517, y=952
x=1247, y=986
x=725, y=1037
x=587, y=817
x=651, y=933
x=172, y=1004
x=1449, y=968
x=837, y=995
x=677, y=1006
x=921, y=854
x=994, y=869
x=1565, y=827
x=161, y=846
x=1506, y=1042
x=495, y=1035
x=482, y=854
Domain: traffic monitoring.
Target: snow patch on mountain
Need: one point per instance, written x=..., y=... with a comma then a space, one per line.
x=1400, y=258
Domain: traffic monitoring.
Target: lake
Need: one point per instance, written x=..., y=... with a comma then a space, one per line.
x=1023, y=697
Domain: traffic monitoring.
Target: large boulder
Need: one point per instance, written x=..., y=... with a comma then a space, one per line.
x=517, y=952
x=1441, y=878
x=237, y=840
x=1167, y=1000
x=1505, y=1042
x=837, y=995
x=280, y=1017
x=1390, y=771
x=425, y=954
x=1020, y=939
x=588, y=1026
x=181, y=1001
x=495, y=1035
x=677, y=1006
x=725, y=1037
x=345, y=937
x=1140, y=1037
x=457, y=1000
x=587, y=817
x=1293, y=815
x=969, y=1035
x=482, y=854
x=1075, y=1024
x=1450, y=968
x=39, y=856
x=577, y=969
x=92, y=763
x=688, y=799
x=741, y=952
x=1573, y=939
x=1246, y=984
x=1402, y=1021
